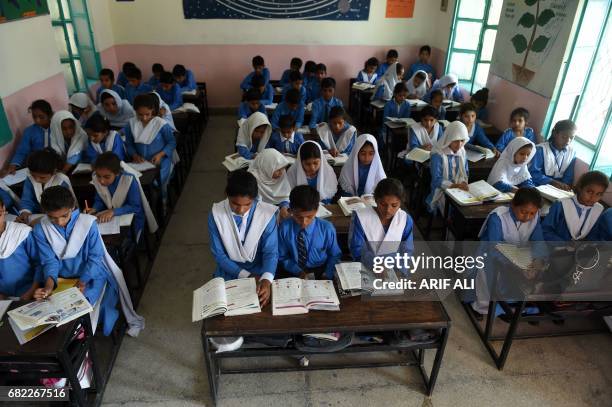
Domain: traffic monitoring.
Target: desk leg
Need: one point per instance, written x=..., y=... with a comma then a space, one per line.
x=501, y=361
x=211, y=369
x=435, y=369
x=93, y=356
x=73, y=380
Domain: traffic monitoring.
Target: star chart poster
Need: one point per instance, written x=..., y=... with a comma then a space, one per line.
x=338, y=10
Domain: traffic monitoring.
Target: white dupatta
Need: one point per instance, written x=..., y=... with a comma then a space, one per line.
x=327, y=137
x=349, y=176
x=514, y=231
x=551, y=166
x=58, y=178
x=245, y=133
x=382, y=242
x=327, y=184
x=58, y=143
x=272, y=191
x=423, y=136
x=420, y=90
x=580, y=226
x=387, y=82
x=108, y=146
x=506, y=170
x=123, y=115
x=14, y=234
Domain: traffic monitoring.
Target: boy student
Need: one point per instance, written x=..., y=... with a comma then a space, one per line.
x=294, y=66
x=286, y=140
x=322, y=106
x=135, y=85
x=36, y=136
x=184, y=79
x=293, y=106
x=243, y=234
x=296, y=81
x=518, y=128
x=267, y=91
x=392, y=57
x=157, y=70
x=314, y=85
x=251, y=104
x=169, y=91
x=259, y=68
x=107, y=81
x=307, y=244
x=423, y=64
x=122, y=78
x=70, y=246
x=554, y=159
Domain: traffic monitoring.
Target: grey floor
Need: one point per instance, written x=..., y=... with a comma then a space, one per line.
x=164, y=366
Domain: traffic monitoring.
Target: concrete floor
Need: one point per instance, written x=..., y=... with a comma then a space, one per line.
x=165, y=365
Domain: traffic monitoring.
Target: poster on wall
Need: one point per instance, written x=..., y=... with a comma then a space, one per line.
x=337, y=10
x=400, y=9
x=16, y=9
x=531, y=41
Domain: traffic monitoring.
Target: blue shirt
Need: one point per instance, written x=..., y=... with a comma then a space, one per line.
x=504, y=187
x=267, y=98
x=382, y=68
x=122, y=80
x=8, y=202
x=33, y=139
x=154, y=82
x=321, y=246
x=419, y=66
x=118, y=149
x=284, y=80
x=131, y=92
x=441, y=113
x=189, y=83
x=303, y=93
x=174, y=97
x=321, y=109
x=437, y=172
x=244, y=110
x=493, y=231
x=538, y=171
x=266, y=258
x=555, y=227
x=279, y=143
x=117, y=88
x=163, y=141
x=248, y=153
x=415, y=142
x=28, y=197
x=392, y=109
x=363, y=77
x=246, y=82
x=132, y=204
x=283, y=109
x=508, y=135
x=20, y=269
x=602, y=231
x=313, y=183
x=479, y=138
x=314, y=89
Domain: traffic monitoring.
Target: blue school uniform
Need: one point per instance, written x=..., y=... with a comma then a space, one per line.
x=479, y=138
x=153, y=81
x=189, y=83
x=131, y=92
x=244, y=111
x=122, y=80
x=362, y=174
x=283, y=109
x=20, y=269
x=303, y=92
x=493, y=232
x=314, y=89
x=482, y=114
x=132, y=204
x=508, y=135
x=538, y=172
x=419, y=66
x=321, y=246
x=504, y=187
x=382, y=68
x=392, y=109
x=321, y=109
x=248, y=153
x=363, y=77
x=173, y=97
x=118, y=149
x=358, y=244
x=414, y=140
x=284, y=146
x=437, y=173
x=28, y=197
x=266, y=258
x=284, y=80
x=267, y=98
x=33, y=139
x=349, y=146
x=441, y=113
x=9, y=204
x=117, y=88
x=602, y=231
x=164, y=141
x=313, y=183
x=246, y=82
x=555, y=227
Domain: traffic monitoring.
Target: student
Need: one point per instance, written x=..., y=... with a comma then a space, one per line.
x=448, y=84
x=135, y=85
x=9, y=199
x=243, y=234
x=449, y=167
x=603, y=228
x=70, y=246
x=286, y=140
x=157, y=70
x=437, y=99
x=518, y=128
x=169, y=91
x=81, y=106
x=107, y=81
x=554, y=159
x=480, y=100
x=253, y=135
x=150, y=138
x=369, y=75
x=398, y=106
x=267, y=91
x=417, y=85
x=119, y=193
x=363, y=169
x=387, y=82
x=36, y=136
x=184, y=79
x=423, y=64
x=310, y=73
x=293, y=106
x=116, y=110
x=307, y=244
x=314, y=85
x=392, y=58
x=18, y=259
x=511, y=171
x=259, y=68
x=269, y=170
x=574, y=218
x=311, y=168
x=384, y=230
x=467, y=115
x=68, y=139
x=252, y=103
x=294, y=66
x=296, y=82
x=122, y=79
x=102, y=139
x=427, y=132
x=337, y=136
x=163, y=110
x=43, y=173
x=322, y=106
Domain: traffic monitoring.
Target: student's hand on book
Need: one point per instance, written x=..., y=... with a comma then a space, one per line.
x=105, y=216
x=462, y=185
x=156, y=159
x=426, y=147
x=263, y=291
x=44, y=292
x=561, y=185
x=334, y=153
x=24, y=217
x=138, y=159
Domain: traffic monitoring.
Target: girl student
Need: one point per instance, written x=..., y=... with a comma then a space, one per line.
x=426, y=133
x=68, y=139
x=337, y=135
x=102, y=139
x=511, y=171
x=369, y=75
x=311, y=168
x=118, y=111
x=554, y=159
x=467, y=114
x=253, y=135
x=269, y=170
x=417, y=85
x=386, y=83
x=448, y=84
x=35, y=137
x=518, y=128
x=363, y=169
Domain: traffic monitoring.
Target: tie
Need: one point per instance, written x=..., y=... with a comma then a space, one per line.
x=287, y=146
x=326, y=114
x=301, y=246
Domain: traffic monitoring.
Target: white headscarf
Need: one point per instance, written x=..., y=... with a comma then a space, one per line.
x=443, y=82
x=82, y=101
x=163, y=105
x=125, y=113
x=78, y=141
x=327, y=184
x=272, y=191
x=349, y=176
x=245, y=133
x=419, y=91
x=388, y=82
x=506, y=170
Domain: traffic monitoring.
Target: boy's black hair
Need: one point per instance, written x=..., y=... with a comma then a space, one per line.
x=257, y=81
x=328, y=82
x=43, y=106
x=467, y=107
x=134, y=73
x=293, y=96
x=126, y=66
x=425, y=48
x=309, y=150
x=590, y=178
x=429, y=111
x=421, y=75
x=107, y=72
x=105, y=95
x=304, y=198
x=310, y=67
x=520, y=112
x=97, y=123
x=526, y=196
x=157, y=68
x=389, y=186
x=109, y=161
x=321, y=67
x=295, y=76
x=482, y=95
x=46, y=161
x=337, y=111
x=241, y=183
x=258, y=61
x=146, y=100
x=436, y=93
x=563, y=125
x=297, y=62
x=370, y=62
x=392, y=53
x=56, y=198
x=286, y=121
x=166, y=77
x=252, y=94
x=400, y=87
x=2, y=204
x=179, y=70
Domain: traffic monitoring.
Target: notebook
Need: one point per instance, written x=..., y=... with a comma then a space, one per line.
x=349, y=276
x=363, y=85
x=337, y=161
x=143, y=166
x=352, y=203
x=520, y=256
x=418, y=154
x=231, y=297
x=479, y=192
x=553, y=193
x=417, y=102
x=476, y=153
x=18, y=177
x=235, y=162
x=380, y=104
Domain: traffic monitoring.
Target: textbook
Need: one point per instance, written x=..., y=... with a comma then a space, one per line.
x=399, y=122
x=380, y=104
x=479, y=192
x=323, y=212
x=82, y=168
x=231, y=297
x=520, y=256
x=418, y=154
x=363, y=85
x=450, y=103
x=143, y=166
x=303, y=130
x=348, y=276
x=417, y=102
x=235, y=162
x=553, y=193
x=338, y=161
x=476, y=153
x=17, y=178
x=352, y=203
x=35, y=216
x=295, y=296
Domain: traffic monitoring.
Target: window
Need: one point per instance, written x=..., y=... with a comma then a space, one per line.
x=6, y=134
x=584, y=93
x=472, y=40
x=74, y=39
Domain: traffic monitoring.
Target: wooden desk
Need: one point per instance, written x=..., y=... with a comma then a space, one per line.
x=480, y=170
x=355, y=315
x=359, y=100
x=340, y=222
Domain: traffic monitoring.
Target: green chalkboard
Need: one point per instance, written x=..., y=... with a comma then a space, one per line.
x=5, y=131
x=16, y=9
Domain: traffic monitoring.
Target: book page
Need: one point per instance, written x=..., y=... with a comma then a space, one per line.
x=349, y=275
x=4, y=305
x=271, y=106
x=323, y=212
x=519, y=256
x=17, y=178
x=318, y=292
x=417, y=102
x=209, y=300
x=125, y=220
x=482, y=190
x=418, y=154
x=109, y=228
x=380, y=104
x=82, y=168
x=241, y=295
x=473, y=156
x=350, y=204
x=69, y=305
x=287, y=297
x=142, y=167
x=462, y=197
x=553, y=193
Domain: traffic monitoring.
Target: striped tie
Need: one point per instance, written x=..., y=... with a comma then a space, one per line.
x=301, y=246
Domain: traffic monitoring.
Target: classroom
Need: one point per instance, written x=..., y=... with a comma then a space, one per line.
x=305, y=203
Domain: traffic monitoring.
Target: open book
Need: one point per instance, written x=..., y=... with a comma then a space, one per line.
x=295, y=296
x=418, y=154
x=303, y=130
x=520, y=256
x=450, y=103
x=479, y=192
x=143, y=166
x=400, y=121
x=417, y=102
x=82, y=168
x=349, y=278
x=338, y=161
x=378, y=103
x=271, y=106
x=235, y=162
x=363, y=85
x=232, y=297
x=352, y=203
x=553, y=193
x=18, y=177
x=476, y=153
x=113, y=227
x=323, y=212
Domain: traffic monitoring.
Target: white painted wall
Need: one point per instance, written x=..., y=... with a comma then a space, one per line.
x=101, y=23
